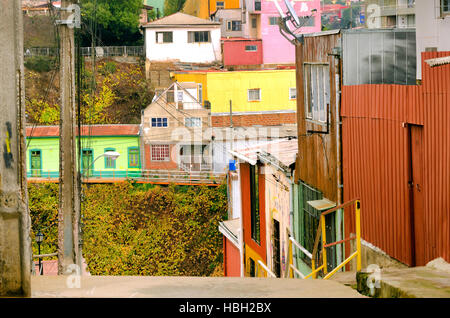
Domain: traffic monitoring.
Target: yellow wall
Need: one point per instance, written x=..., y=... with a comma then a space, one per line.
x=249, y=253
x=221, y=87
x=199, y=8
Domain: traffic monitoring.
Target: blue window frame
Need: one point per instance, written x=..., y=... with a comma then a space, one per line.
x=159, y=122
x=109, y=162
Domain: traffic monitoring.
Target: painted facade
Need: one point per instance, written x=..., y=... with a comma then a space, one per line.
x=242, y=51
x=260, y=196
x=432, y=28
x=249, y=91
x=262, y=23
x=184, y=38
x=204, y=8
x=43, y=151
x=175, y=130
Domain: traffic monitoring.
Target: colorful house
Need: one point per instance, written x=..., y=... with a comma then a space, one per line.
x=260, y=191
x=262, y=22
x=174, y=130
x=204, y=8
x=43, y=151
x=184, y=38
x=270, y=95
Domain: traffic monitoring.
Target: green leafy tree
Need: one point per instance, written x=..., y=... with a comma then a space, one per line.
x=114, y=22
x=173, y=6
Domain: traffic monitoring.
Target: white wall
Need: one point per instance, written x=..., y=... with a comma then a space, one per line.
x=180, y=49
x=431, y=30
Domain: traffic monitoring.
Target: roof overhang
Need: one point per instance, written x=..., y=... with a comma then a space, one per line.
x=438, y=61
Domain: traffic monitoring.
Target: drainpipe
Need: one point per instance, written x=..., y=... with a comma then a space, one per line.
x=339, y=214
x=291, y=217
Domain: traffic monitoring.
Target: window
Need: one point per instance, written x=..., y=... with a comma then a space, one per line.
x=251, y=267
x=179, y=96
x=159, y=122
x=160, y=153
x=164, y=37
x=307, y=21
x=109, y=162
x=257, y=5
x=199, y=36
x=254, y=198
x=170, y=96
x=36, y=163
x=193, y=122
x=220, y=4
x=254, y=94
x=200, y=93
x=133, y=157
x=274, y=20
x=234, y=26
x=317, y=91
x=87, y=164
x=254, y=23
x=292, y=93
x=251, y=48
x=445, y=7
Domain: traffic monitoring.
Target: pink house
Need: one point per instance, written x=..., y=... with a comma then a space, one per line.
x=262, y=21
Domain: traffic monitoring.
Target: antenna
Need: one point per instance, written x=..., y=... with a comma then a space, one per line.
x=292, y=17
x=292, y=14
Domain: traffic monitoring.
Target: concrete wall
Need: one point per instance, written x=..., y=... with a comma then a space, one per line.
x=15, y=243
x=180, y=49
x=432, y=30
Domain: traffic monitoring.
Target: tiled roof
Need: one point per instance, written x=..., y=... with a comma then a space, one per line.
x=94, y=130
x=180, y=19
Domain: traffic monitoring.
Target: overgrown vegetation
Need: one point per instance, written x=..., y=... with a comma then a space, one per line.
x=117, y=95
x=140, y=230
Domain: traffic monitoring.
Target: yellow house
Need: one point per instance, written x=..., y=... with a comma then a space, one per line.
x=203, y=8
x=248, y=91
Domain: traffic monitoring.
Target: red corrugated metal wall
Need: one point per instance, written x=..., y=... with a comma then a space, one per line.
x=376, y=161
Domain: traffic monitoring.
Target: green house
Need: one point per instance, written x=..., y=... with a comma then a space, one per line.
x=158, y=6
x=43, y=151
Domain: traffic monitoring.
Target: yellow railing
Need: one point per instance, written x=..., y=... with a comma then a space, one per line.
x=321, y=237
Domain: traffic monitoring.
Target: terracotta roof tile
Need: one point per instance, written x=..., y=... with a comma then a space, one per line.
x=94, y=130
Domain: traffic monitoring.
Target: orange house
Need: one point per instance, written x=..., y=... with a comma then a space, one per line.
x=204, y=8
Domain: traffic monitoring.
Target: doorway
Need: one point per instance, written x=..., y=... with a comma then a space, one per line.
x=276, y=248
x=416, y=192
x=86, y=162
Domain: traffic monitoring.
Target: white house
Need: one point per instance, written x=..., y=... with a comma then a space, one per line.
x=432, y=27
x=184, y=38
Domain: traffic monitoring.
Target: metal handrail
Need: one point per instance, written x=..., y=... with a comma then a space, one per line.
x=268, y=271
x=321, y=236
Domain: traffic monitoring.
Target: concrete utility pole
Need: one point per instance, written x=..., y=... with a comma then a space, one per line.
x=69, y=207
x=15, y=243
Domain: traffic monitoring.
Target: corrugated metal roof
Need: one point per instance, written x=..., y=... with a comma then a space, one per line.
x=94, y=130
x=283, y=150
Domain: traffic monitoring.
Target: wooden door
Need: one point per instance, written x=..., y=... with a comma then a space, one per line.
x=417, y=191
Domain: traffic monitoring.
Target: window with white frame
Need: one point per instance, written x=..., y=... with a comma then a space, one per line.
x=254, y=94
x=292, y=93
x=317, y=90
x=193, y=122
x=445, y=7
x=251, y=48
x=179, y=96
x=164, y=37
x=160, y=152
x=159, y=122
x=234, y=25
